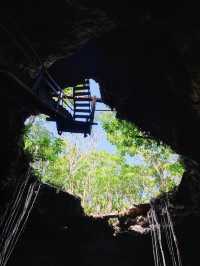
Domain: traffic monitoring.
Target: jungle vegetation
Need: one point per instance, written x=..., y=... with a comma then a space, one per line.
x=140, y=169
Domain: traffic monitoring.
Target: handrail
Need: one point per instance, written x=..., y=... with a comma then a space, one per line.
x=30, y=91
x=52, y=80
x=99, y=100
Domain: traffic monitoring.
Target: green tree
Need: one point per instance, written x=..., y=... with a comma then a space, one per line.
x=105, y=182
x=160, y=161
x=43, y=146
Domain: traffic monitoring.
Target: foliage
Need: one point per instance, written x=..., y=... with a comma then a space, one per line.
x=43, y=146
x=161, y=164
x=105, y=182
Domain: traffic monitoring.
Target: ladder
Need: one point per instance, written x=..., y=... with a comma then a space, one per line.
x=82, y=102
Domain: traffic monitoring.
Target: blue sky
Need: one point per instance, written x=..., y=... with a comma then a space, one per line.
x=97, y=139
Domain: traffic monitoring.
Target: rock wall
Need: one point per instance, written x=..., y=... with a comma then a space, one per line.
x=58, y=233
x=147, y=64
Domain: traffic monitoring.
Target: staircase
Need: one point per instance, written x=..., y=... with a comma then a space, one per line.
x=77, y=118
x=82, y=103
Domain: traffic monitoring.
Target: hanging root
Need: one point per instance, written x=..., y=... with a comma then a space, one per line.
x=162, y=229
x=16, y=215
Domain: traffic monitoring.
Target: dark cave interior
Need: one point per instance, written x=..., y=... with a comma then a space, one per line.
x=146, y=59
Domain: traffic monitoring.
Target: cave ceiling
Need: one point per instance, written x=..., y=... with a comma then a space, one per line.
x=146, y=59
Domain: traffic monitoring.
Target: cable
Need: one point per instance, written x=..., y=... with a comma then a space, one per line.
x=12, y=37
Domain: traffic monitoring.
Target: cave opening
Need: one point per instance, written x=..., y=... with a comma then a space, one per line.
x=146, y=58
x=116, y=167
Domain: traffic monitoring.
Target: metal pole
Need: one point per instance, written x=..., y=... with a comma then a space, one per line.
x=99, y=100
x=104, y=110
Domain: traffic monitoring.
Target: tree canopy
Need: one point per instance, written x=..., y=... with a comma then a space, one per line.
x=161, y=163
x=105, y=182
